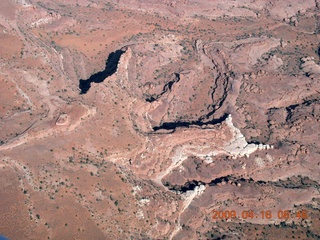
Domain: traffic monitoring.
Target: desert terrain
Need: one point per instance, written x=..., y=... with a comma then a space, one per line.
x=144, y=119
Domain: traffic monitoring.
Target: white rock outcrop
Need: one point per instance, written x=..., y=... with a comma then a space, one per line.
x=309, y=66
x=239, y=147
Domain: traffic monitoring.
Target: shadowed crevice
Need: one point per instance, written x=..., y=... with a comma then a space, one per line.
x=167, y=87
x=110, y=69
x=174, y=125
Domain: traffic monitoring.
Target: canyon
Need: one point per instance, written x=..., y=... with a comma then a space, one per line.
x=137, y=119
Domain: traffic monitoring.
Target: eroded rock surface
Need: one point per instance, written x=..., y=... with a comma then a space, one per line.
x=207, y=106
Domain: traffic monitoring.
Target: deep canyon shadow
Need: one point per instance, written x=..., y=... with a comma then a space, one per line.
x=110, y=69
x=174, y=125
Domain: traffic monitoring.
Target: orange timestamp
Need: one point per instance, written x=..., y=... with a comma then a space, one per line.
x=267, y=214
